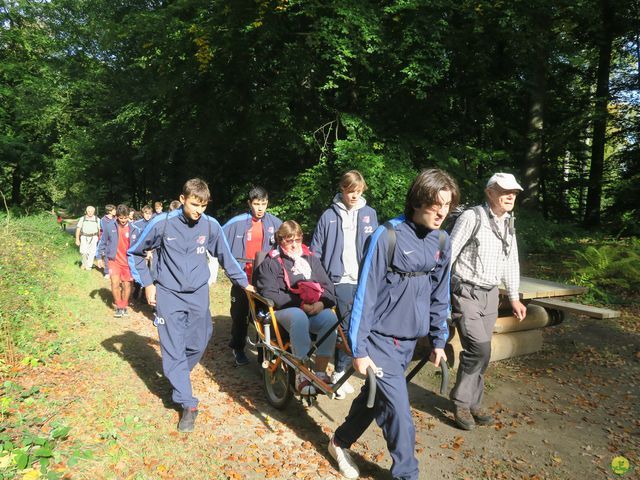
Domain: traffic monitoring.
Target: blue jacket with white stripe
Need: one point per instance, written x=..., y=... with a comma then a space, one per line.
x=396, y=305
x=181, y=246
x=236, y=232
x=105, y=221
x=108, y=244
x=328, y=239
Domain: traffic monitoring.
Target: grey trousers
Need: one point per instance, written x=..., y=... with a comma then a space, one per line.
x=474, y=312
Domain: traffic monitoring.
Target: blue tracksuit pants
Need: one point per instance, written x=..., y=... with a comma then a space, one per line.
x=345, y=292
x=184, y=336
x=391, y=410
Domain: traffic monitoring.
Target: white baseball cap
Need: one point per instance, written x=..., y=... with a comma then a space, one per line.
x=506, y=181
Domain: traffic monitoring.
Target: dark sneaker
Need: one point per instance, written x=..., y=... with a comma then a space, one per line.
x=482, y=417
x=464, y=419
x=118, y=313
x=240, y=358
x=187, y=420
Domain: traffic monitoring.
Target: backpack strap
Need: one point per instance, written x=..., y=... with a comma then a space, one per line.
x=391, y=239
x=476, y=228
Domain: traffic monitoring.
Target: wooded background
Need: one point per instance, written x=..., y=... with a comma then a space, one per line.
x=123, y=100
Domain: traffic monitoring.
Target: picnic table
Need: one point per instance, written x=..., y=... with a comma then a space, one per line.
x=546, y=303
x=531, y=288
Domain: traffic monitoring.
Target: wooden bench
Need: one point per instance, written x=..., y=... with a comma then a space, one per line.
x=570, y=307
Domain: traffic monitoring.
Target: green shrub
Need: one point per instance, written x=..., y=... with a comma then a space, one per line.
x=28, y=245
x=611, y=272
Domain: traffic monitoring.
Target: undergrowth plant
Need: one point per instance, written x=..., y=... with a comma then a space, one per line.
x=28, y=246
x=29, y=444
x=611, y=271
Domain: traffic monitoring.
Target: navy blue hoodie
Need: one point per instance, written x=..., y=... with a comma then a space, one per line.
x=182, y=243
x=398, y=306
x=328, y=239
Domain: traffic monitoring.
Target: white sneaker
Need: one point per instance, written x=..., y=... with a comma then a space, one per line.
x=346, y=388
x=346, y=465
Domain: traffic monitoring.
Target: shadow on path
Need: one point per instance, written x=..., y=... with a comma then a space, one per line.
x=245, y=386
x=140, y=353
x=104, y=294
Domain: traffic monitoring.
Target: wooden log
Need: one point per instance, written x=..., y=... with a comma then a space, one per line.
x=504, y=345
x=537, y=317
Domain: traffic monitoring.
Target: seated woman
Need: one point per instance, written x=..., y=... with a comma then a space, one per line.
x=278, y=278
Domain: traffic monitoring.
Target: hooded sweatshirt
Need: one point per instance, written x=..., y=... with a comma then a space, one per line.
x=339, y=238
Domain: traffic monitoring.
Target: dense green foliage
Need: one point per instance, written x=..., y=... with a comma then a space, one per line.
x=109, y=101
x=27, y=247
x=612, y=271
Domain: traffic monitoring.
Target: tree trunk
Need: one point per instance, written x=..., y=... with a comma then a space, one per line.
x=533, y=157
x=16, y=183
x=533, y=164
x=605, y=40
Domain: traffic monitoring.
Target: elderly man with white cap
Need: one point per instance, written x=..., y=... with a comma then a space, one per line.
x=484, y=254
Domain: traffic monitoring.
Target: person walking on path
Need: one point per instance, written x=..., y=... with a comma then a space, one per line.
x=157, y=209
x=248, y=234
x=484, y=255
x=402, y=294
x=180, y=292
x=116, y=241
x=109, y=217
x=87, y=232
x=338, y=241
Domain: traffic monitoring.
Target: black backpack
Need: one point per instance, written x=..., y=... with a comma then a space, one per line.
x=451, y=220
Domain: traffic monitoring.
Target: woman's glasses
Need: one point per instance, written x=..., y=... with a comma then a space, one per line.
x=291, y=241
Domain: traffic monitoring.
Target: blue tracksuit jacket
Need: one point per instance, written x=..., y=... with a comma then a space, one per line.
x=236, y=232
x=104, y=225
x=141, y=223
x=328, y=240
x=182, y=263
x=398, y=306
x=108, y=245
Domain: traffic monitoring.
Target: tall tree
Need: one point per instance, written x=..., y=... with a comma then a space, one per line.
x=604, y=37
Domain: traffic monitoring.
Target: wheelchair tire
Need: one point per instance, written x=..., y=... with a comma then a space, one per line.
x=279, y=385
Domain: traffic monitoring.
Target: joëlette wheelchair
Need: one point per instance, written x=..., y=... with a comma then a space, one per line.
x=279, y=366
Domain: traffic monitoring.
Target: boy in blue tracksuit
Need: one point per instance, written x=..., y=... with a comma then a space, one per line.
x=248, y=234
x=141, y=224
x=398, y=300
x=338, y=241
x=109, y=217
x=181, y=290
x=147, y=213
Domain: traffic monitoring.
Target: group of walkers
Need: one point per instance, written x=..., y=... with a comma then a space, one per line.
x=107, y=240
x=390, y=285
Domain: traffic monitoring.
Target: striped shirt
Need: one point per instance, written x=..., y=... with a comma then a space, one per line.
x=489, y=261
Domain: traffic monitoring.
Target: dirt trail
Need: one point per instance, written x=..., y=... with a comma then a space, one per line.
x=563, y=413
